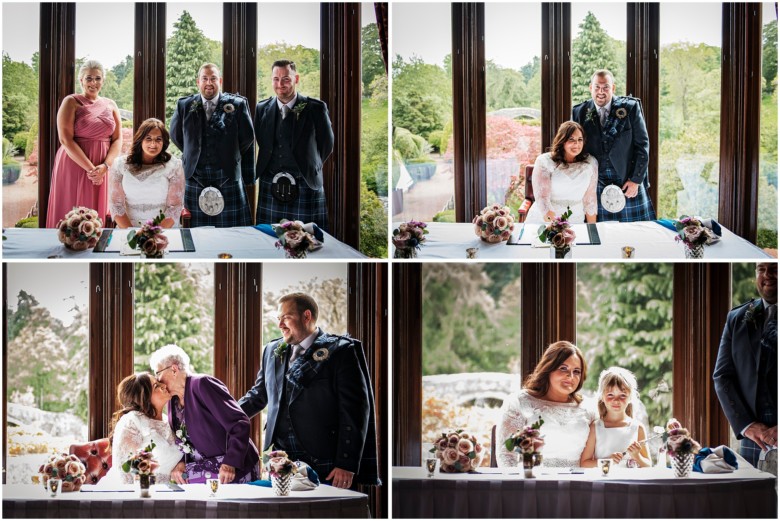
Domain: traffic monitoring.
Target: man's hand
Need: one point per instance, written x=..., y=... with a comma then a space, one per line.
x=176, y=473
x=762, y=435
x=226, y=474
x=630, y=188
x=341, y=478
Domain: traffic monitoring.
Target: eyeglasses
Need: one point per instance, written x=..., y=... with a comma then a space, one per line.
x=763, y=270
x=602, y=88
x=157, y=374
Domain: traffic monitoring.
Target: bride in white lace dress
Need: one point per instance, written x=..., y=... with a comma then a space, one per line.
x=552, y=393
x=137, y=424
x=147, y=181
x=565, y=177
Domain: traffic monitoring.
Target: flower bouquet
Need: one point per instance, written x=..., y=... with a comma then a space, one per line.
x=295, y=239
x=80, y=229
x=408, y=238
x=680, y=447
x=143, y=465
x=149, y=238
x=281, y=470
x=694, y=235
x=559, y=235
x=458, y=452
x=494, y=223
x=527, y=442
x=66, y=467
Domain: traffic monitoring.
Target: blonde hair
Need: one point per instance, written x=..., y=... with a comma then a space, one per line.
x=91, y=64
x=624, y=380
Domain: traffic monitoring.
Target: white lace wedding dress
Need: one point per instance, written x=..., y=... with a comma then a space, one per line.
x=565, y=430
x=135, y=431
x=142, y=194
x=559, y=186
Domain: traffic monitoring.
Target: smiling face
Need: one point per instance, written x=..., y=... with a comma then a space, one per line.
x=152, y=145
x=601, y=90
x=573, y=146
x=615, y=399
x=566, y=378
x=209, y=82
x=91, y=82
x=295, y=326
x=766, y=281
x=284, y=81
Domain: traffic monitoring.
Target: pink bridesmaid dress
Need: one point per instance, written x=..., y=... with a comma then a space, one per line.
x=70, y=186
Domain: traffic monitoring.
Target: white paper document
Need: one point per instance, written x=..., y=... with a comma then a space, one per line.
x=118, y=241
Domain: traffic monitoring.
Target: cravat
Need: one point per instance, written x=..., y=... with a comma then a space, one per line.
x=771, y=318
x=285, y=111
x=297, y=350
x=209, y=108
x=603, y=115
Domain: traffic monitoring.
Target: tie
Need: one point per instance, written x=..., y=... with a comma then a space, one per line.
x=285, y=111
x=297, y=350
x=603, y=115
x=771, y=319
x=209, y=108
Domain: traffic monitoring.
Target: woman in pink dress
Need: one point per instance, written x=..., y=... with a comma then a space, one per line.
x=91, y=137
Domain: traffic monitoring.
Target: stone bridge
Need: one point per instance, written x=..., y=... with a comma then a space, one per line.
x=471, y=388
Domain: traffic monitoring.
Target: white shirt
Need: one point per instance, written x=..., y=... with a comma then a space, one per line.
x=213, y=100
x=290, y=104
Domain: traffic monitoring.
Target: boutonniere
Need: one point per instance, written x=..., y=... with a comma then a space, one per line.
x=229, y=108
x=621, y=113
x=591, y=116
x=196, y=105
x=752, y=315
x=281, y=350
x=298, y=109
x=321, y=354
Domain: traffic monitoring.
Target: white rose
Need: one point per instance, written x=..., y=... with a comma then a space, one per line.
x=179, y=434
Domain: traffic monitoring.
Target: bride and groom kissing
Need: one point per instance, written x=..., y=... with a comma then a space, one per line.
x=316, y=388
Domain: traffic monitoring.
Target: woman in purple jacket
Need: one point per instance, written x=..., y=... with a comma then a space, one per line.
x=210, y=428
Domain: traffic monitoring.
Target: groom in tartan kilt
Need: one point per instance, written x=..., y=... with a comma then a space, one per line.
x=214, y=132
x=318, y=393
x=294, y=137
x=616, y=135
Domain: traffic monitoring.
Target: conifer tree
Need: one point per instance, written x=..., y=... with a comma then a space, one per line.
x=591, y=50
x=187, y=50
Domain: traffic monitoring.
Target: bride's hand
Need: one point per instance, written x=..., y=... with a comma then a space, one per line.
x=226, y=474
x=176, y=473
x=549, y=216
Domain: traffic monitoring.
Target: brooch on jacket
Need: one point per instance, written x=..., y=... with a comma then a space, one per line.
x=621, y=113
x=321, y=354
x=753, y=315
x=298, y=109
x=281, y=350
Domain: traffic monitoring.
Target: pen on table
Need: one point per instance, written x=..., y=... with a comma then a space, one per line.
x=521, y=233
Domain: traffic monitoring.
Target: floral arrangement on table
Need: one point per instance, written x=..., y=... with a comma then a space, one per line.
x=527, y=440
x=295, y=239
x=679, y=445
x=66, y=467
x=408, y=238
x=559, y=234
x=494, y=223
x=142, y=463
x=278, y=463
x=80, y=229
x=149, y=238
x=694, y=235
x=458, y=451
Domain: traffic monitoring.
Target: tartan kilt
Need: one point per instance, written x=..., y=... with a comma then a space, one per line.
x=309, y=207
x=236, y=212
x=639, y=208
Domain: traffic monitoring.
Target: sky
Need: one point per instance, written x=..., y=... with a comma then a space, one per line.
x=57, y=287
x=277, y=276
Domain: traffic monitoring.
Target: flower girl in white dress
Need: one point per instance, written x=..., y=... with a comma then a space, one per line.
x=137, y=424
x=616, y=433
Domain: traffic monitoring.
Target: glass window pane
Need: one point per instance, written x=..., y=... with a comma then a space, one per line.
x=194, y=37
x=767, y=179
x=599, y=32
x=174, y=304
x=689, y=144
x=298, y=41
x=48, y=363
x=423, y=175
x=624, y=318
x=514, y=103
x=471, y=347
x=373, y=141
x=20, y=112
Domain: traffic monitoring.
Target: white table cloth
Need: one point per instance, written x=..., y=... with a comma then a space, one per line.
x=625, y=493
x=651, y=241
x=241, y=242
x=231, y=501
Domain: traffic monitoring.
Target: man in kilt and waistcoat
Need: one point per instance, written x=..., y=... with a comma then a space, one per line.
x=294, y=137
x=616, y=135
x=214, y=132
x=318, y=393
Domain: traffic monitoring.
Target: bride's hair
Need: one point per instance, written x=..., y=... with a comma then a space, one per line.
x=538, y=383
x=136, y=156
x=134, y=393
x=567, y=128
x=624, y=380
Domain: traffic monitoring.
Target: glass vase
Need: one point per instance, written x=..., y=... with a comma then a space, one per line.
x=694, y=252
x=145, y=483
x=405, y=253
x=529, y=461
x=281, y=484
x=560, y=253
x=682, y=464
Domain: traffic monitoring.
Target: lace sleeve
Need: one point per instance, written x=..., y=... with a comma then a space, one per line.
x=127, y=439
x=511, y=420
x=589, y=200
x=116, y=193
x=542, y=180
x=174, y=202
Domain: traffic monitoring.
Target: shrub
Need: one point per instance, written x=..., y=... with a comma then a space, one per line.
x=31, y=148
x=27, y=222
x=373, y=224
x=20, y=141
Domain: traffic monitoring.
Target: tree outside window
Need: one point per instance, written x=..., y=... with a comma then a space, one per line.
x=767, y=177
x=600, y=43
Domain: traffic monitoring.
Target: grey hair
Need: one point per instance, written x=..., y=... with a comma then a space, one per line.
x=91, y=64
x=169, y=355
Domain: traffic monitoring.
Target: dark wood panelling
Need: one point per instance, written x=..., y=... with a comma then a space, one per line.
x=556, y=68
x=239, y=51
x=149, y=63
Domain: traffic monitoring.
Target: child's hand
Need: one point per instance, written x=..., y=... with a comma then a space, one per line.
x=616, y=457
x=634, y=449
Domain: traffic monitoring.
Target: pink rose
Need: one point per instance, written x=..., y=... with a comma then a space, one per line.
x=673, y=424
x=79, y=245
x=87, y=228
x=74, y=468
x=453, y=439
x=442, y=444
x=447, y=468
x=161, y=241
x=463, y=460
x=60, y=464
x=692, y=233
x=74, y=222
x=490, y=217
x=493, y=238
x=506, y=235
x=92, y=242
x=465, y=446
x=149, y=247
x=449, y=456
x=569, y=235
x=559, y=240
x=501, y=222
